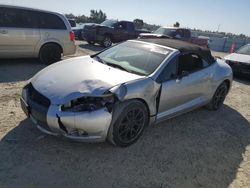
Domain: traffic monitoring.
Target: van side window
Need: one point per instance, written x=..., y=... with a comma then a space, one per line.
x=51, y=21
x=16, y=18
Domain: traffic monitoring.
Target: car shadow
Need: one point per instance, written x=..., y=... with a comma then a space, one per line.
x=197, y=149
x=12, y=70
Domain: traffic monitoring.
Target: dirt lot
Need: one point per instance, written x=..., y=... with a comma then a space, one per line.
x=198, y=149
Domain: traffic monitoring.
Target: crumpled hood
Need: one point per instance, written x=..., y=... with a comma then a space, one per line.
x=238, y=57
x=76, y=77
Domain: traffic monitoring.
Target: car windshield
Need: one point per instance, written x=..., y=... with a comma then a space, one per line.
x=244, y=50
x=135, y=57
x=165, y=31
x=109, y=23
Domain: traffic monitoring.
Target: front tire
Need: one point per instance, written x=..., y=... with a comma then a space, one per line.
x=50, y=53
x=219, y=97
x=130, y=123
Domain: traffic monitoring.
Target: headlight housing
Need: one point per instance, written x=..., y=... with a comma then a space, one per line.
x=88, y=103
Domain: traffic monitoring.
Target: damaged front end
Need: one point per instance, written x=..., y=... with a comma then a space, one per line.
x=86, y=118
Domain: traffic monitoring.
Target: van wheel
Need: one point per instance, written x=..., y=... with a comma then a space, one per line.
x=50, y=53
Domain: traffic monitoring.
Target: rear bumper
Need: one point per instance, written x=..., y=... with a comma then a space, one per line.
x=69, y=48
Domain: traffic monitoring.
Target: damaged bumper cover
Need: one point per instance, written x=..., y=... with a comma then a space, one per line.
x=86, y=126
x=89, y=126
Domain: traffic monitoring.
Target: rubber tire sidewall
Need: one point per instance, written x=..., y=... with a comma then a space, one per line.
x=91, y=42
x=43, y=50
x=119, y=111
x=104, y=41
x=210, y=106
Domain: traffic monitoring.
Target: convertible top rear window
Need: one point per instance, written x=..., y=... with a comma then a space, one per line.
x=135, y=57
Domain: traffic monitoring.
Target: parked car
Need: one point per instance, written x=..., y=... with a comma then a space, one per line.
x=116, y=93
x=240, y=60
x=177, y=33
x=78, y=30
x=110, y=31
x=72, y=22
x=26, y=32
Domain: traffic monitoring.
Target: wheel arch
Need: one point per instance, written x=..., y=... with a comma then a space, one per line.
x=110, y=35
x=52, y=42
x=227, y=81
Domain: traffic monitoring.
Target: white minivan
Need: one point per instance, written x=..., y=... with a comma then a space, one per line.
x=27, y=32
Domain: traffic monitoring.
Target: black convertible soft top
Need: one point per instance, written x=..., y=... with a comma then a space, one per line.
x=183, y=47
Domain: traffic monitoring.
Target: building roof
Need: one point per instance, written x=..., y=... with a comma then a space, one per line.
x=183, y=47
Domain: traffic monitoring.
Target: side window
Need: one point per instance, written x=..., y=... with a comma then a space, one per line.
x=179, y=33
x=190, y=63
x=130, y=26
x=51, y=21
x=187, y=33
x=122, y=25
x=16, y=18
x=169, y=72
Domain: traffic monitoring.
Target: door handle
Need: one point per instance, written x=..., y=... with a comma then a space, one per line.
x=3, y=31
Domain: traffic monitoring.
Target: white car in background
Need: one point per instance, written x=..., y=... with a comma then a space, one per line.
x=26, y=32
x=240, y=60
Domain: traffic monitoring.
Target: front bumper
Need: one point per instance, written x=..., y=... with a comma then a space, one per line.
x=82, y=126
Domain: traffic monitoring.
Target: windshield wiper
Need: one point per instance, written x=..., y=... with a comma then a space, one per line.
x=99, y=59
x=117, y=66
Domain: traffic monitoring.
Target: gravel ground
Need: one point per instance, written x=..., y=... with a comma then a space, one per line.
x=198, y=149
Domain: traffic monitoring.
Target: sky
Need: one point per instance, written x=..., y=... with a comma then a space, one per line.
x=227, y=15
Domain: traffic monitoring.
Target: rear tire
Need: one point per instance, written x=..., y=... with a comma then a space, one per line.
x=127, y=128
x=91, y=42
x=107, y=42
x=219, y=97
x=50, y=53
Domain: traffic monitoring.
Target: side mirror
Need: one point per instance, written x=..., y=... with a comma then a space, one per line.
x=183, y=74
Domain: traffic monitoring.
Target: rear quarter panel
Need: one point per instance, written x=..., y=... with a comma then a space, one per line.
x=220, y=72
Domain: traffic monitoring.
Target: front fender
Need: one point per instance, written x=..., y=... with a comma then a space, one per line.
x=144, y=89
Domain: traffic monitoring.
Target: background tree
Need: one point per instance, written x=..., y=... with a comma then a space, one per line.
x=70, y=16
x=177, y=24
x=97, y=16
x=138, y=23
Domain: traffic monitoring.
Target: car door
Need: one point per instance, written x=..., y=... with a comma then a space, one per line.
x=121, y=31
x=18, y=34
x=185, y=81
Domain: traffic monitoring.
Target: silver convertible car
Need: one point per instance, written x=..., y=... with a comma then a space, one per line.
x=118, y=92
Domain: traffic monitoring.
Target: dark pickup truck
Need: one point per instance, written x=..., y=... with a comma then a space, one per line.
x=177, y=33
x=110, y=31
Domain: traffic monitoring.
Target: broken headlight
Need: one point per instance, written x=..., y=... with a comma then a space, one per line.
x=89, y=103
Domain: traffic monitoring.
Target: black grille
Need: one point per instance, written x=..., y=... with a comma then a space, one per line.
x=37, y=97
